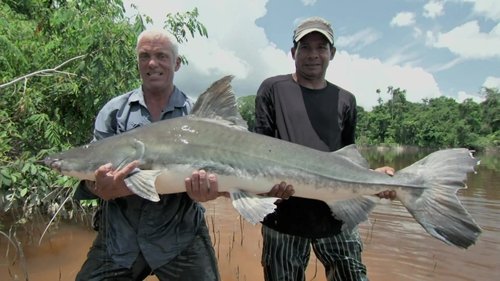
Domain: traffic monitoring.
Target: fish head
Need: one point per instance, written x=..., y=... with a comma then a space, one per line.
x=82, y=162
x=53, y=162
x=76, y=162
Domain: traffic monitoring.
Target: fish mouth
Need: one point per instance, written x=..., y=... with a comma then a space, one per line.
x=53, y=163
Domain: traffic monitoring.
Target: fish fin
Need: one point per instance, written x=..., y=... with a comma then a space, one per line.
x=140, y=149
x=353, y=211
x=142, y=183
x=253, y=208
x=351, y=154
x=218, y=102
x=435, y=204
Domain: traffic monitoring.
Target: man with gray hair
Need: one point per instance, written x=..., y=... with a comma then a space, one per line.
x=305, y=108
x=137, y=237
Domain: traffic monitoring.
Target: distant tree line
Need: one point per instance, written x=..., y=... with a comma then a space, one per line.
x=436, y=123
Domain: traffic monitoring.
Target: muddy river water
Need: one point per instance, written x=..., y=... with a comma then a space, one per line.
x=395, y=246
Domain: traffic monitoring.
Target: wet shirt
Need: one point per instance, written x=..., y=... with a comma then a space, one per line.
x=159, y=230
x=323, y=119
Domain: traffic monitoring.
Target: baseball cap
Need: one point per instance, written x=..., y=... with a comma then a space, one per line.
x=313, y=24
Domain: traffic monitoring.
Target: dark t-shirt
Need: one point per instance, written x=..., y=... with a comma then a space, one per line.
x=323, y=119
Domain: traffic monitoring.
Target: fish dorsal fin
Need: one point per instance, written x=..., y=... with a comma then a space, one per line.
x=351, y=154
x=218, y=102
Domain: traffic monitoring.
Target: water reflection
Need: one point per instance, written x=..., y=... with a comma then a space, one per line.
x=395, y=246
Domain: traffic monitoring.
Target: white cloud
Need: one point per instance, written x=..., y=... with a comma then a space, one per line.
x=417, y=32
x=364, y=76
x=237, y=46
x=403, y=19
x=404, y=56
x=468, y=41
x=445, y=66
x=462, y=96
x=240, y=49
x=492, y=82
x=308, y=2
x=430, y=38
x=489, y=8
x=207, y=62
x=359, y=39
x=433, y=9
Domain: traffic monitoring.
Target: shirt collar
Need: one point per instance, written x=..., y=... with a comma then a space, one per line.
x=177, y=99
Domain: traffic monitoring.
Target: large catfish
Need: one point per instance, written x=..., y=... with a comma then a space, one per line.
x=215, y=138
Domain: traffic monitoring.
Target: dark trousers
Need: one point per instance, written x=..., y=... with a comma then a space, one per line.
x=285, y=257
x=196, y=263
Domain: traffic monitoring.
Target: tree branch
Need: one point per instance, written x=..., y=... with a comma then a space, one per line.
x=48, y=71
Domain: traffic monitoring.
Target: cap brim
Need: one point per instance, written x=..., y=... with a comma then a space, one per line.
x=309, y=30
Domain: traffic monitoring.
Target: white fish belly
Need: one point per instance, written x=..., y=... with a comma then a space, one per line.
x=171, y=181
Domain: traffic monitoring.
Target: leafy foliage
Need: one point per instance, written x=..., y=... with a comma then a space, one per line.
x=182, y=24
x=61, y=60
x=246, y=106
x=437, y=122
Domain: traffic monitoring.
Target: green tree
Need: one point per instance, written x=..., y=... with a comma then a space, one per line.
x=469, y=126
x=362, y=119
x=490, y=116
x=63, y=60
x=437, y=122
x=378, y=123
x=491, y=110
x=246, y=106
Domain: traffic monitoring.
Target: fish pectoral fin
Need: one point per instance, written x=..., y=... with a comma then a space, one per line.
x=254, y=208
x=353, y=211
x=139, y=149
x=142, y=183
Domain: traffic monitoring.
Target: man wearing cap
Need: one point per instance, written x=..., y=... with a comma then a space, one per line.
x=304, y=108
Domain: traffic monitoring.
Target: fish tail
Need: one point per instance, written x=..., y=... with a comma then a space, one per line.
x=433, y=202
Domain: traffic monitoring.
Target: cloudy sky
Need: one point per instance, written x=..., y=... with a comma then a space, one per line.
x=429, y=48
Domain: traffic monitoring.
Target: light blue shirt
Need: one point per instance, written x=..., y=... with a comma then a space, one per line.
x=160, y=230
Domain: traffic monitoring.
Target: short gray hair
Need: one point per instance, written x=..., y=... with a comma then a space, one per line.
x=159, y=34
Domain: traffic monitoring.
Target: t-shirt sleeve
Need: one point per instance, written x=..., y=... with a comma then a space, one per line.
x=264, y=111
x=350, y=122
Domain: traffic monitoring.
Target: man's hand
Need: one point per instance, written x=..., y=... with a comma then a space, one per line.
x=387, y=194
x=109, y=183
x=202, y=187
x=386, y=170
x=281, y=190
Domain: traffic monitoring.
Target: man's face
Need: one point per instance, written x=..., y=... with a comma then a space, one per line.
x=312, y=56
x=157, y=63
